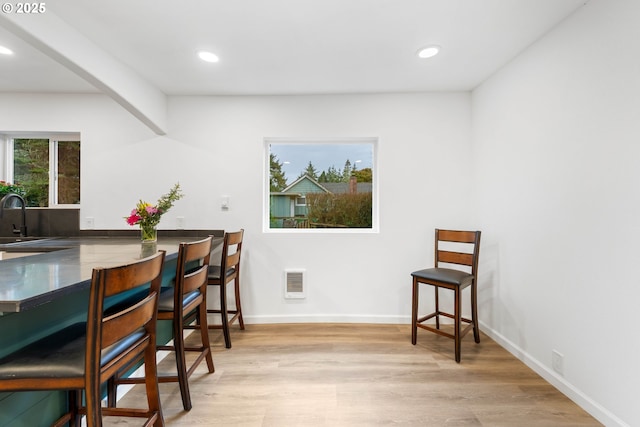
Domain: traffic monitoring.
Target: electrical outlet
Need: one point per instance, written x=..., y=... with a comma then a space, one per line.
x=180, y=223
x=557, y=361
x=224, y=203
x=89, y=223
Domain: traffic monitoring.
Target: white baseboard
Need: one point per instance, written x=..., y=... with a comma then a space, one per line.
x=327, y=318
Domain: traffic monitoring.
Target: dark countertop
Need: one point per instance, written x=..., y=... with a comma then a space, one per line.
x=65, y=265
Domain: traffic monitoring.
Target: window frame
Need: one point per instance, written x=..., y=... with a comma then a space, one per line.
x=373, y=141
x=54, y=138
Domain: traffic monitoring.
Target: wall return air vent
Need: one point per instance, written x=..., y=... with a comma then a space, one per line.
x=294, y=284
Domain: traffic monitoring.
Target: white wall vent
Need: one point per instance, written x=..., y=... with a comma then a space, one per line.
x=294, y=284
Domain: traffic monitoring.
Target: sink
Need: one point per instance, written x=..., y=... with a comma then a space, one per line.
x=11, y=255
x=6, y=240
x=10, y=247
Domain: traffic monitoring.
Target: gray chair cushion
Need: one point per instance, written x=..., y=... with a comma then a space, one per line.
x=214, y=272
x=59, y=355
x=165, y=301
x=445, y=275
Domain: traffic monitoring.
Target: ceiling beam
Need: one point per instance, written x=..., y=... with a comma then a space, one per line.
x=64, y=44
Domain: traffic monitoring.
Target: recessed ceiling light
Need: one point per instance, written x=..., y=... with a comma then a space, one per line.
x=5, y=51
x=429, y=51
x=208, y=56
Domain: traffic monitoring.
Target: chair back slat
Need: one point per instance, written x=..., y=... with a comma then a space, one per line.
x=117, y=326
x=200, y=249
x=234, y=238
x=233, y=260
x=456, y=236
x=124, y=278
x=455, y=258
x=231, y=252
x=195, y=277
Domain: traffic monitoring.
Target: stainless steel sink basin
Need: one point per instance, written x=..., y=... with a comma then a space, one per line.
x=10, y=247
x=6, y=240
x=12, y=255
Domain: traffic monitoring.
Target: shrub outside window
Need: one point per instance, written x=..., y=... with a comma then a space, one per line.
x=46, y=167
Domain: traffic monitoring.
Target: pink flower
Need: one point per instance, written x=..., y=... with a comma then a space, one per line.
x=133, y=218
x=151, y=210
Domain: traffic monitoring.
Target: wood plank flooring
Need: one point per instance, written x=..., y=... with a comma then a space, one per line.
x=338, y=375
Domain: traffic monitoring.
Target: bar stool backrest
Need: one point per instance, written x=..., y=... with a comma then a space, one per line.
x=120, y=334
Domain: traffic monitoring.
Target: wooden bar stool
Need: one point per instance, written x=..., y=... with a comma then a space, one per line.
x=453, y=279
x=83, y=356
x=182, y=303
x=228, y=272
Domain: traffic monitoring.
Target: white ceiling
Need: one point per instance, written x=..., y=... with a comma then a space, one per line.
x=288, y=46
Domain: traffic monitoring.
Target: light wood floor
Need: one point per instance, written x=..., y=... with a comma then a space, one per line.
x=362, y=375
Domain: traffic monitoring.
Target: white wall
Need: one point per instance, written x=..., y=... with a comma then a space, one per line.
x=351, y=277
x=215, y=147
x=556, y=150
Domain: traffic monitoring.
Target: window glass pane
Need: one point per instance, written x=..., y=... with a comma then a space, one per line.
x=68, y=172
x=31, y=169
x=321, y=185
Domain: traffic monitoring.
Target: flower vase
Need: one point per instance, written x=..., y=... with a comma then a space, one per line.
x=148, y=233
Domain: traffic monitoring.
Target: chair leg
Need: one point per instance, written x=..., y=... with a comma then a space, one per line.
x=75, y=402
x=224, y=315
x=181, y=363
x=112, y=391
x=414, y=312
x=437, y=301
x=474, y=312
x=92, y=402
x=201, y=320
x=151, y=384
x=238, y=304
x=457, y=323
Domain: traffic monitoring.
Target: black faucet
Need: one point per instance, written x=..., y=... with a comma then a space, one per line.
x=22, y=231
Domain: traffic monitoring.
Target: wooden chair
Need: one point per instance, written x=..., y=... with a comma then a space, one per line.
x=453, y=279
x=83, y=356
x=230, y=265
x=183, y=303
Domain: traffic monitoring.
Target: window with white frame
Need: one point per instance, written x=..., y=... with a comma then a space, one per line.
x=45, y=166
x=327, y=184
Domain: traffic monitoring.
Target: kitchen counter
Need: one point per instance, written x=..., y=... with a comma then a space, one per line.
x=56, y=267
